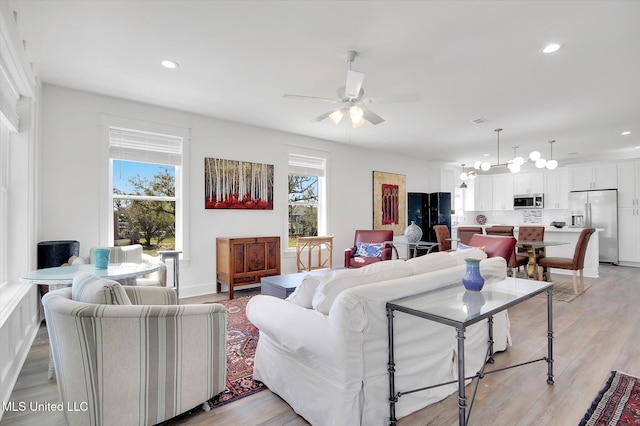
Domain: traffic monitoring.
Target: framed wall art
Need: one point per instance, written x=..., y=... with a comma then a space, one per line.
x=389, y=202
x=230, y=184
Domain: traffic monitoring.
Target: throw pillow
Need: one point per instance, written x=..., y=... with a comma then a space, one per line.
x=89, y=288
x=466, y=247
x=303, y=294
x=369, y=250
x=431, y=262
x=473, y=253
x=334, y=283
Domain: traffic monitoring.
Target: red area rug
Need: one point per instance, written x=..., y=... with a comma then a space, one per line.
x=618, y=403
x=242, y=339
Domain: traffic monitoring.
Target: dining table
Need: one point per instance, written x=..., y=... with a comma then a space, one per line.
x=412, y=248
x=124, y=273
x=536, y=250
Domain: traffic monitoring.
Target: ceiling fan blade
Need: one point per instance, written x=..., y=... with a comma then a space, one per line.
x=406, y=97
x=309, y=98
x=323, y=116
x=354, y=84
x=371, y=117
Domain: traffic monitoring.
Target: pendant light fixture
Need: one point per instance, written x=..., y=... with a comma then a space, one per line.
x=516, y=163
x=551, y=164
x=471, y=175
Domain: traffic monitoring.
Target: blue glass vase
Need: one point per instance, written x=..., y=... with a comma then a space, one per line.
x=472, y=279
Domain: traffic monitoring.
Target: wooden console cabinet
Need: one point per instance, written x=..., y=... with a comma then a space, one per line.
x=243, y=261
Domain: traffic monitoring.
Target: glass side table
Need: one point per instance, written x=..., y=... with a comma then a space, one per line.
x=454, y=306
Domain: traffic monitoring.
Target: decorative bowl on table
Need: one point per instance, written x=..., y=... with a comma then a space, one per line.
x=558, y=224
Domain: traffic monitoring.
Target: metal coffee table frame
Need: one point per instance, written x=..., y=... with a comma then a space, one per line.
x=418, y=305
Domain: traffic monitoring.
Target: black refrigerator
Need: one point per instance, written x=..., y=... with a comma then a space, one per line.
x=427, y=210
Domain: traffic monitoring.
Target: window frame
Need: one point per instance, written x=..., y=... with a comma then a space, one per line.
x=158, y=198
x=317, y=157
x=4, y=203
x=108, y=121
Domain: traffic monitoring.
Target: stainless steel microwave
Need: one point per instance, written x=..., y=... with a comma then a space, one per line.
x=528, y=201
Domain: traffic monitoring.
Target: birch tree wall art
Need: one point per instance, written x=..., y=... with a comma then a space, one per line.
x=230, y=184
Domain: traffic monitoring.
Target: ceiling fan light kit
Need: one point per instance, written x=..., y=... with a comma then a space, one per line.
x=514, y=165
x=351, y=98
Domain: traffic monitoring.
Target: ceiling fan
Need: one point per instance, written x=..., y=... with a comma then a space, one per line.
x=350, y=98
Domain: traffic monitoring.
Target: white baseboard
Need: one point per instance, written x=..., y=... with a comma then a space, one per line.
x=204, y=289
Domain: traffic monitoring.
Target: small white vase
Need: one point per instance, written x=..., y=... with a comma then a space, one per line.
x=413, y=233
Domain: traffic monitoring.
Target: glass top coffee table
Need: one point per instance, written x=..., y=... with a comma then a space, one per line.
x=454, y=306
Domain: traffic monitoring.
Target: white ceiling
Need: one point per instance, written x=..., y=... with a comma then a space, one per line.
x=467, y=59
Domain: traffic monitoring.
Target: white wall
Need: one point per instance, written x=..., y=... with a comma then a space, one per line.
x=74, y=165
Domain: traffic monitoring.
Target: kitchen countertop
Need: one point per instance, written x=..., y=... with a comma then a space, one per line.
x=567, y=229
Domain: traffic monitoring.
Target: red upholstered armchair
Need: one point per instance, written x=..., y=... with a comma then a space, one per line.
x=354, y=258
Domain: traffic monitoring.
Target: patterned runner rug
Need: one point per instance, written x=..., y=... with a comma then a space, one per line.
x=618, y=403
x=242, y=339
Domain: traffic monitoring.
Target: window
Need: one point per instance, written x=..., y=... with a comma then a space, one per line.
x=4, y=183
x=145, y=190
x=306, y=199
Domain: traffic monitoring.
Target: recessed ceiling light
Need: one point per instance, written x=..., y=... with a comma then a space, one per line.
x=551, y=47
x=625, y=133
x=168, y=63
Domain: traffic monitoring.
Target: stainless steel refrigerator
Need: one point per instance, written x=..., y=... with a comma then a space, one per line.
x=598, y=209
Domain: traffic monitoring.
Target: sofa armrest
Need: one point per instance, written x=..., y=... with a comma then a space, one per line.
x=304, y=333
x=348, y=254
x=387, y=252
x=140, y=295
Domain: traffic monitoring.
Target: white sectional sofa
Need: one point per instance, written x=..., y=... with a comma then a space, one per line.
x=324, y=350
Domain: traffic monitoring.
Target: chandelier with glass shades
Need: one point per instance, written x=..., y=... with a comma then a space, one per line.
x=514, y=165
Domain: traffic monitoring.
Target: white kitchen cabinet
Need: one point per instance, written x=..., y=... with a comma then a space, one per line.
x=447, y=180
x=528, y=183
x=593, y=176
x=628, y=235
x=556, y=189
x=483, y=193
x=629, y=183
x=503, y=192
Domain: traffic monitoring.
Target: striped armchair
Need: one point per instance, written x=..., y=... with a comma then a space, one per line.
x=137, y=364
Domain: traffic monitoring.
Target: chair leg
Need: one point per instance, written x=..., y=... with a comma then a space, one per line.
x=543, y=274
x=575, y=282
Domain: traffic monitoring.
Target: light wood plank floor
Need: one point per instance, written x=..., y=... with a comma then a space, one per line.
x=594, y=334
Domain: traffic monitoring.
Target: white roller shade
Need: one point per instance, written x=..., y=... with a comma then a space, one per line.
x=306, y=166
x=145, y=147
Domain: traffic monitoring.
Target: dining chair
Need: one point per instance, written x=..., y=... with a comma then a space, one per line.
x=526, y=233
x=504, y=231
x=575, y=264
x=466, y=232
x=442, y=237
x=134, y=254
